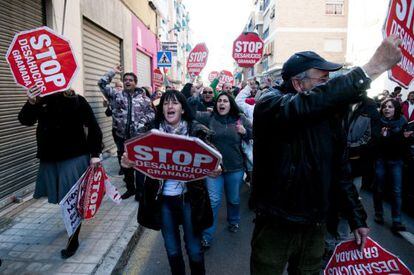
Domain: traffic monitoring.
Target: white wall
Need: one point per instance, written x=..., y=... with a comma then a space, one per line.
x=111, y=15
x=365, y=24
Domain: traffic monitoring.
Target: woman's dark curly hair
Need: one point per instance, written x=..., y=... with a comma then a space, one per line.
x=174, y=95
x=395, y=103
x=234, y=108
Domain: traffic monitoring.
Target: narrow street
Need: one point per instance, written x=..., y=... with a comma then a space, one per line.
x=230, y=252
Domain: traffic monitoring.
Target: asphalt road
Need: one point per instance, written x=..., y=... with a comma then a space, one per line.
x=231, y=251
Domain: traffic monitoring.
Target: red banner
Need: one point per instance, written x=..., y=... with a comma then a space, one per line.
x=348, y=259
x=44, y=58
x=400, y=22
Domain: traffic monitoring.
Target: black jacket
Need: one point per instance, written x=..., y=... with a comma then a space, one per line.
x=393, y=146
x=149, y=212
x=60, y=130
x=296, y=151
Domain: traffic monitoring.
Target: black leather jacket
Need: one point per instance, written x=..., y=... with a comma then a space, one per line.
x=149, y=212
x=298, y=155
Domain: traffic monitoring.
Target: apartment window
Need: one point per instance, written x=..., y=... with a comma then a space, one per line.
x=265, y=34
x=334, y=7
x=265, y=4
x=265, y=63
x=332, y=45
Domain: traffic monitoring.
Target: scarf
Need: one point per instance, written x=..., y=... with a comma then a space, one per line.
x=181, y=129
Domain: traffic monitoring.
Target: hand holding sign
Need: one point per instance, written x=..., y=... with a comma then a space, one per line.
x=33, y=94
x=385, y=57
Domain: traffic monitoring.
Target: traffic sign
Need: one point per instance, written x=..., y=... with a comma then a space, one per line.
x=247, y=49
x=400, y=22
x=43, y=58
x=169, y=46
x=348, y=259
x=197, y=60
x=164, y=59
x=166, y=156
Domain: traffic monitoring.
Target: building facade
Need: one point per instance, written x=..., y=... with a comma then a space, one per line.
x=291, y=26
x=103, y=34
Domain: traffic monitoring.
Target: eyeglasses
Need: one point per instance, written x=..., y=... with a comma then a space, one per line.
x=209, y=93
x=322, y=79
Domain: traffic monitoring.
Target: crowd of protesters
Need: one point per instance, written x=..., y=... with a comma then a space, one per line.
x=325, y=138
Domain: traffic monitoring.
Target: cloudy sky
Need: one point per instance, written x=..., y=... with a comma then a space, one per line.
x=217, y=23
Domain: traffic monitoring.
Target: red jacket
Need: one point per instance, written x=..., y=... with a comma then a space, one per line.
x=405, y=105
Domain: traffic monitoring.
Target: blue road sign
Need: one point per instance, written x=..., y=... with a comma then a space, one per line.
x=164, y=59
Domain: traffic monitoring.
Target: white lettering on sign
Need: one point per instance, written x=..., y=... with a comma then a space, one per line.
x=401, y=11
x=50, y=67
x=389, y=266
x=248, y=46
x=353, y=255
x=197, y=57
x=179, y=157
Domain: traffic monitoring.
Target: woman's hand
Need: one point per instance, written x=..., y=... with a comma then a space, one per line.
x=117, y=69
x=33, y=94
x=125, y=162
x=95, y=161
x=215, y=173
x=384, y=131
x=240, y=129
x=408, y=134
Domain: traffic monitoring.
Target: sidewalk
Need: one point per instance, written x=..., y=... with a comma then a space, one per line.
x=31, y=239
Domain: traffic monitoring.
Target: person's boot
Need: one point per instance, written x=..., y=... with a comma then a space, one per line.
x=197, y=268
x=177, y=265
x=397, y=227
x=129, y=178
x=72, y=245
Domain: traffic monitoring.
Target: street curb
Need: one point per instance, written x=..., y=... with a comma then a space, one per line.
x=117, y=256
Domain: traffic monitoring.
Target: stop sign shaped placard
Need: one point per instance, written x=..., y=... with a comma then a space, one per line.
x=400, y=22
x=42, y=57
x=158, y=78
x=247, y=49
x=213, y=75
x=197, y=59
x=166, y=156
x=226, y=76
x=347, y=259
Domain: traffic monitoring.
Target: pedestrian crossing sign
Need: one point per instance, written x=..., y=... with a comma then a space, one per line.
x=164, y=59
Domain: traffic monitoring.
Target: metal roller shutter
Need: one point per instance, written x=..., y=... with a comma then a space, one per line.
x=143, y=69
x=101, y=51
x=18, y=163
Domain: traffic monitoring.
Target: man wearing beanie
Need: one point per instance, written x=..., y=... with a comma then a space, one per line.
x=296, y=126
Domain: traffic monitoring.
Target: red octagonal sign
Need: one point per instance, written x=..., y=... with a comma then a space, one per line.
x=197, y=60
x=42, y=57
x=348, y=259
x=400, y=22
x=247, y=49
x=165, y=156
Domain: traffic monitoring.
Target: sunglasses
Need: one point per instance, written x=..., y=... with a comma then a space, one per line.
x=208, y=93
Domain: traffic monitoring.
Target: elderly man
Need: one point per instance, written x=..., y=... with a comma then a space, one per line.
x=202, y=102
x=293, y=189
